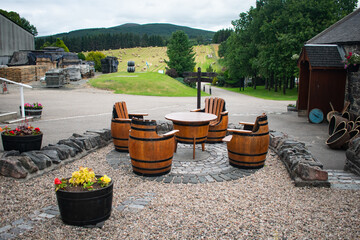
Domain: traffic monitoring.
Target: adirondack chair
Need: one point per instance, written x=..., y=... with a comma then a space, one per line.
x=150, y=153
x=248, y=148
x=120, y=126
x=217, y=127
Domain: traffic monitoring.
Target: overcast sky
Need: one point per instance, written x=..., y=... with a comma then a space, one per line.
x=58, y=16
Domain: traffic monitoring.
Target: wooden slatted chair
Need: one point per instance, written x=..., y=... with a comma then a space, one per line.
x=248, y=148
x=120, y=126
x=151, y=154
x=217, y=127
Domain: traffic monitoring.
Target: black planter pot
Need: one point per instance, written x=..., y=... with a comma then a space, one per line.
x=353, y=68
x=21, y=143
x=85, y=208
x=36, y=113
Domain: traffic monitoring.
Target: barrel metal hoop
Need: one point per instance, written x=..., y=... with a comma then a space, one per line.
x=251, y=134
x=220, y=130
x=122, y=139
x=144, y=129
x=192, y=124
x=151, y=161
x=237, y=161
x=151, y=139
x=248, y=155
x=185, y=138
x=152, y=169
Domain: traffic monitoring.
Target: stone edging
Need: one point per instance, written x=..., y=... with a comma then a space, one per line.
x=304, y=169
x=34, y=163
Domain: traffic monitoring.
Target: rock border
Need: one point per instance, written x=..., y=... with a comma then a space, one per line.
x=30, y=164
x=304, y=169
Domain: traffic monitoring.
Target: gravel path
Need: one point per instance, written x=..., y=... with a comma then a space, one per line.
x=264, y=205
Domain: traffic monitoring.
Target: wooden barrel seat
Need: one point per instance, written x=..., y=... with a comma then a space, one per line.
x=120, y=126
x=248, y=148
x=151, y=154
x=217, y=127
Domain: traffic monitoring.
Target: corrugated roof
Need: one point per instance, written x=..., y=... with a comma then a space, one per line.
x=321, y=55
x=346, y=30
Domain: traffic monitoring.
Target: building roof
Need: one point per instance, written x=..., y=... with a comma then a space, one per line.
x=346, y=30
x=325, y=55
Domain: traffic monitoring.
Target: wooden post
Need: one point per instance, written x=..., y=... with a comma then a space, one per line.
x=199, y=77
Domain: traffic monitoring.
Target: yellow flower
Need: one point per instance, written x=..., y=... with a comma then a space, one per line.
x=105, y=179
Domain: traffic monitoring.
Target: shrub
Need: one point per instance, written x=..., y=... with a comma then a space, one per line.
x=81, y=56
x=96, y=58
x=171, y=73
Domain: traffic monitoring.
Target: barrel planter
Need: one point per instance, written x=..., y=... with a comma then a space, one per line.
x=120, y=134
x=151, y=154
x=33, y=112
x=338, y=139
x=248, y=149
x=21, y=143
x=87, y=207
x=334, y=122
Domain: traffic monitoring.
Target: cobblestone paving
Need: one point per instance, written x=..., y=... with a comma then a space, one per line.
x=209, y=166
x=340, y=179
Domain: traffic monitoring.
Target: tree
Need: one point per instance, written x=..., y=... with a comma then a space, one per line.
x=15, y=17
x=96, y=58
x=267, y=36
x=180, y=53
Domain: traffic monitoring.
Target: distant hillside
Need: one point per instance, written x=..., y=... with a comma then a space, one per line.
x=124, y=36
x=161, y=29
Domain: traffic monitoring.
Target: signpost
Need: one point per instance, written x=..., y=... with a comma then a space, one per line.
x=199, y=77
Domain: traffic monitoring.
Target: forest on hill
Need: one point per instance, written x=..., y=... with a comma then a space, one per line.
x=124, y=36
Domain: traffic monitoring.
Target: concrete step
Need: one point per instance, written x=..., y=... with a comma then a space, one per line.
x=5, y=116
x=340, y=179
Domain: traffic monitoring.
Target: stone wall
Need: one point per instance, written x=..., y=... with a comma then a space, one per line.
x=352, y=92
x=304, y=169
x=34, y=163
x=352, y=162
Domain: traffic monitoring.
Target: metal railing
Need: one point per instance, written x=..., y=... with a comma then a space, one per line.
x=21, y=93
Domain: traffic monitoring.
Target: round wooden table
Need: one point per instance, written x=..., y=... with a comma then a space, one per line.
x=193, y=127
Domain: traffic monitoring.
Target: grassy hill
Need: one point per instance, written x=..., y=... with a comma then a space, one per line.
x=154, y=56
x=148, y=84
x=162, y=29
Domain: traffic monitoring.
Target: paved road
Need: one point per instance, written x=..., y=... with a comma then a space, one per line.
x=77, y=108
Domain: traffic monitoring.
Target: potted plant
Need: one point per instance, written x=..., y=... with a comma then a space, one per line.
x=352, y=62
x=85, y=198
x=33, y=110
x=23, y=138
x=291, y=107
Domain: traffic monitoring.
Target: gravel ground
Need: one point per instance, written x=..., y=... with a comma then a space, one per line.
x=264, y=205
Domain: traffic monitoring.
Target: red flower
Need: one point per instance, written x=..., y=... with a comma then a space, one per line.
x=12, y=132
x=37, y=129
x=350, y=54
x=57, y=181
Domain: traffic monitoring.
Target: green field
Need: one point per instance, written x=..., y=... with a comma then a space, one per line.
x=261, y=92
x=148, y=84
x=155, y=56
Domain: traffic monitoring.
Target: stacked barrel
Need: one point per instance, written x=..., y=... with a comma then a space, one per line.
x=131, y=66
x=342, y=129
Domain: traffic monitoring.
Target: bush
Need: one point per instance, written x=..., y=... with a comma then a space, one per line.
x=171, y=73
x=96, y=58
x=81, y=56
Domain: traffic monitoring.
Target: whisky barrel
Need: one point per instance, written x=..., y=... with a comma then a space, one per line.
x=150, y=153
x=120, y=134
x=248, y=149
x=218, y=132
